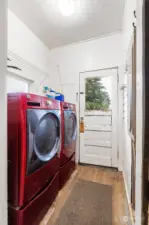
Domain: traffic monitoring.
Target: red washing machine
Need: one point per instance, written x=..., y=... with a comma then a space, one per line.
x=34, y=141
x=69, y=137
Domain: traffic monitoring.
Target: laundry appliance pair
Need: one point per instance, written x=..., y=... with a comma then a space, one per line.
x=38, y=155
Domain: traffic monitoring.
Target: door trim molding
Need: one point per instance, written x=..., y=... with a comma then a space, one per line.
x=118, y=145
x=96, y=70
x=13, y=56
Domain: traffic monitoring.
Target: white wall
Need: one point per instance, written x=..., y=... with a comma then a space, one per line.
x=127, y=37
x=3, y=113
x=25, y=44
x=95, y=54
x=130, y=7
x=100, y=53
x=140, y=112
x=29, y=53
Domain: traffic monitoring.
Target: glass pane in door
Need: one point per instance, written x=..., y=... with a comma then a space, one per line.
x=98, y=117
x=98, y=93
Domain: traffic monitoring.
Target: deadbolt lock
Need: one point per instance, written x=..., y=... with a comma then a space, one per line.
x=81, y=119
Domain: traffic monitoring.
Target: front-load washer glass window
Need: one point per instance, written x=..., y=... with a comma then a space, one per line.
x=43, y=138
x=70, y=127
x=46, y=135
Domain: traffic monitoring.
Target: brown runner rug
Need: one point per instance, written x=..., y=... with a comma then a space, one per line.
x=88, y=204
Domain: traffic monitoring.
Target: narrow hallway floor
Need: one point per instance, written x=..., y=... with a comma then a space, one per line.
x=98, y=175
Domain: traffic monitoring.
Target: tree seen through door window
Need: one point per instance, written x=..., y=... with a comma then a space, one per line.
x=97, y=97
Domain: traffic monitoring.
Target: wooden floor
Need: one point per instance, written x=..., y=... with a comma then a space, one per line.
x=99, y=175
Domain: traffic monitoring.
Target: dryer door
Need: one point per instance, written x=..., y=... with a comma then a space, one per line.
x=43, y=137
x=70, y=128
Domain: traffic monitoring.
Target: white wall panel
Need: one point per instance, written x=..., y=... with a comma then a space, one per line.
x=70, y=92
x=3, y=113
x=31, y=55
x=25, y=44
x=90, y=55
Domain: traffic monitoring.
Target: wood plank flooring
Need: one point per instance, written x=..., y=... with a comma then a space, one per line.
x=100, y=175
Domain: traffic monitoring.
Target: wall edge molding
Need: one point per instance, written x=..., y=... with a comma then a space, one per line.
x=26, y=63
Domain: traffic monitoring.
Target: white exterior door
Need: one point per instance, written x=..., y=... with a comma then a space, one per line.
x=98, y=111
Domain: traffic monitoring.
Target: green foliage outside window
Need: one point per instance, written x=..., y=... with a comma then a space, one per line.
x=97, y=98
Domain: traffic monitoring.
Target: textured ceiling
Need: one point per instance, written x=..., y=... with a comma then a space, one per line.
x=91, y=18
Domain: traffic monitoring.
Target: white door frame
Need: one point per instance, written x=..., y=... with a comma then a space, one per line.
x=87, y=71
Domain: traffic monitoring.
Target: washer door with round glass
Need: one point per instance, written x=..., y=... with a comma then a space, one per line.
x=43, y=137
x=70, y=129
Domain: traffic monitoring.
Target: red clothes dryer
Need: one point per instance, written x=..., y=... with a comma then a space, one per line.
x=69, y=137
x=34, y=141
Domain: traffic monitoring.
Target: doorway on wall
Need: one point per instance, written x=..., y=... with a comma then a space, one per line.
x=99, y=117
x=15, y=83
